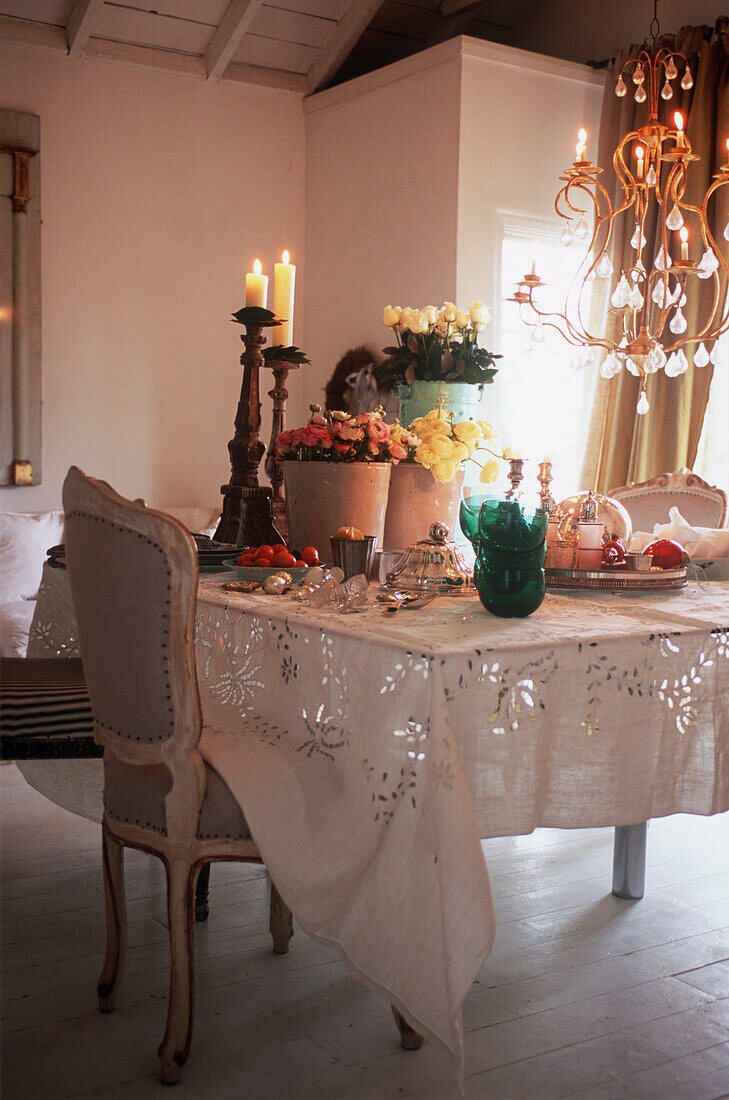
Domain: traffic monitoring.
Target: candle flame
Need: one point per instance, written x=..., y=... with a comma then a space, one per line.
x=285, y=257
x=256, y=267
x=683, y=234
x=582, y=136
x=639, y=152
x=678, y=119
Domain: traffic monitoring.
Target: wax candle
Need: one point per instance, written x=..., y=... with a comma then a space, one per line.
x=683, y=234
x=640, y=154
x=680, y=136
x=284, y=275
x=256, y=286
x=581, y=145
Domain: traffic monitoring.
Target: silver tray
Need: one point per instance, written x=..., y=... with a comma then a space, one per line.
x=617, y=579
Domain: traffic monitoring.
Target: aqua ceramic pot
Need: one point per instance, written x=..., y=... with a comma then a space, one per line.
x=418, y=398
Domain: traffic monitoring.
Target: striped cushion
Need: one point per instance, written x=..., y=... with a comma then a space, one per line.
x=45, y=709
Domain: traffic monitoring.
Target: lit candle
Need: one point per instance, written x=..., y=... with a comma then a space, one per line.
x=640, y=154
x=680, y=137
x=284, y=275
x=256, y=286
x=683, y=234
x=581, y=145
x=727, y=153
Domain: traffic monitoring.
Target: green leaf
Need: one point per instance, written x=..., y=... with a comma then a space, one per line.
x=256, y=315
x=277, y=354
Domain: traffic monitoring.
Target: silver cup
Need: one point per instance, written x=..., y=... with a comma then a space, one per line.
x=354, y=556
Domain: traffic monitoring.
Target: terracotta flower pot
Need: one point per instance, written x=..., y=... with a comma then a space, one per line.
x=321, y=497
x=415, y=500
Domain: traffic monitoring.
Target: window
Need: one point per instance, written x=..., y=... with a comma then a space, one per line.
x=712, y=459
x=539, y=404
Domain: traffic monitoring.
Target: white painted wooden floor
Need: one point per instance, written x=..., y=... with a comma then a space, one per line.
x=583, y=996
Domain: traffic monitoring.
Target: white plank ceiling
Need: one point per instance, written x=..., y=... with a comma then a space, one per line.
x=306, y=45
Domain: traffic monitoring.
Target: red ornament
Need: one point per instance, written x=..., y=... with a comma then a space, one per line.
x=613, y=552
x=666, y=553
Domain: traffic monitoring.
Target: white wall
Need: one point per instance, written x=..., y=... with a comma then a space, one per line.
x=158, y=191
x=520, y=113
x=381, y=202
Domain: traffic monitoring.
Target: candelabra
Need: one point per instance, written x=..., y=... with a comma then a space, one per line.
x=273, y=468
x=546, y=500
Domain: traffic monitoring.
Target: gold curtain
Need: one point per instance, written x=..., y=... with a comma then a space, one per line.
x=622, y=446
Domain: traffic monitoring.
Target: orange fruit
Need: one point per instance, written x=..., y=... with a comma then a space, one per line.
x=310, y=555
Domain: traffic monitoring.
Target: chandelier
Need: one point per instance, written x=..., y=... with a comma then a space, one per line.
x=650, y=294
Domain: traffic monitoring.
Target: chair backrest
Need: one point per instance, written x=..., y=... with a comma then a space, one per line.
x=133, y=574
x=649, y=502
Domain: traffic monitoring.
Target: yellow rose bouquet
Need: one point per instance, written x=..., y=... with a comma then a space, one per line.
x=442, y=444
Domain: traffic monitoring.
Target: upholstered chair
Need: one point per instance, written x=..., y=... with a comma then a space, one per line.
x=649, y=502
x=133, y=574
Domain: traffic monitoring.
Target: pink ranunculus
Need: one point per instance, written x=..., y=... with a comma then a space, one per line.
x=377, y=431
x=363, y=419
x=372, y=447
x=397, y=450
x=341, y=448
x=284, y=442
x=317, y=418
x=314, y=434
x=349, y=431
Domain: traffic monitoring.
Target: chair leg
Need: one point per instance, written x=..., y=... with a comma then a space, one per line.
x=410, y=1039
x=280, y=922
x=116, y=920
x=176, y=1043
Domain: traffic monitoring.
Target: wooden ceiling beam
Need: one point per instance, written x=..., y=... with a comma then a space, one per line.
x=80, y=24
x=352, y=25
x=452, y=7
x=227, y=38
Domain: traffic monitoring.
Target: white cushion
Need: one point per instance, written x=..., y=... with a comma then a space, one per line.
x=200, y=521
x=24, y=539
x=15, y=620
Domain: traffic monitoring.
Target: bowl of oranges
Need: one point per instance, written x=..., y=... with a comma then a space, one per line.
x=255, y=563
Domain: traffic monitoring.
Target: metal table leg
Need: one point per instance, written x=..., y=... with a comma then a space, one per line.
x=629, y=851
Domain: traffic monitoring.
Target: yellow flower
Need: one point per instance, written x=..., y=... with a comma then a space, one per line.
x=439, y=427
x=444, y=471
x=460, y=451
x=442, y=446
x=425, y=454
x=487, y=430
x=434, y=414
x=489, y=472
x=418, y=425
x=467, y=431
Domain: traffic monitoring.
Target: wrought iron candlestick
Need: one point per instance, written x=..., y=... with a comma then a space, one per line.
x=273, y=467
x=247, y=518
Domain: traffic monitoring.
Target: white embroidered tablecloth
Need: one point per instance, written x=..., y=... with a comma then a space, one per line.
x=371, y=751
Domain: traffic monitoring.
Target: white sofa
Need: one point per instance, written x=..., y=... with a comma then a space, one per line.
x=25, y=538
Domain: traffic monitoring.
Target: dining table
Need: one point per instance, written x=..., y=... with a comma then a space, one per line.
x=373, y=751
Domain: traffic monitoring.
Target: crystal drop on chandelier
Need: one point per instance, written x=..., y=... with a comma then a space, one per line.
x=621, y=294
x=604, y=266
x=678, y=322
x=650, y=177
x=666, y=91
x=677, y=364
x=640, y=96
x=620, y=89
x=661, y=294
x=671, y=70
x=675, y=218
x=662, y=261
x=642, y=407
x=715, y=354
x=539, y=335
x=582, y=359
x=726, y=232
x=655, y=359
x=707, y=264
x=701, y=356
x=611, y=366
x=687, y=81
x=567, y=237
x=630, y=365
x=637, y=241
x=582, y=229
x=638, y=75
x=638, y=272
x=636, y=298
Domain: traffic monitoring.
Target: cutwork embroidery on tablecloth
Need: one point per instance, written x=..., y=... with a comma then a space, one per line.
x=414, y=735
x=233, y=672
x=420, y=666
x=391, y=788
x=518, y=690
x=326, y=735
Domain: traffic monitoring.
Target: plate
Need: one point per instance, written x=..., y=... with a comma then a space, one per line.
x=259, y=573
x=617, y=580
